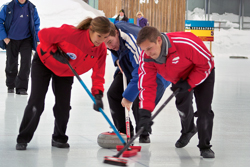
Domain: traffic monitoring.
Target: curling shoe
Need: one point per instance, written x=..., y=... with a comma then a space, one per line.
x=59, y=144
x=185, y=138
x=10, y=90
x=21, y=146
x=207, y=153
x=144, y=139
x=21, y=92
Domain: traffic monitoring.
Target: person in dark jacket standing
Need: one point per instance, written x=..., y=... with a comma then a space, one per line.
x=183, y=59
x=141, y=20
x=121, y=17
x=84, y=43
x=19, y=25
x=125, y=55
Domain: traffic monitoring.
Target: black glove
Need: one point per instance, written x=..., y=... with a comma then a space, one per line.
x=144, y=120
x=98, y=100
x=182, y=84
x=60, y=56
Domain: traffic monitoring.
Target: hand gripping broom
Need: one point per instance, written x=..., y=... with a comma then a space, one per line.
x=115, y=160
x=132, y=150
x=127, y=119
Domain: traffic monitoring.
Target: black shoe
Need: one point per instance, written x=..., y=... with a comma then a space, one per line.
x=184, y=139
x=11, y=90
x=21, y=146
x=207, y=153
x=59, y=145
x=144, y=139
x=22, y=92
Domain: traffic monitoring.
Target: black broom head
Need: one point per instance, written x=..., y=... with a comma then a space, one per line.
x=115, y=161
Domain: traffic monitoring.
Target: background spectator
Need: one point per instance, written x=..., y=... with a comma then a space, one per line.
x=121, y=17
x=141, y=21
x=19, y=25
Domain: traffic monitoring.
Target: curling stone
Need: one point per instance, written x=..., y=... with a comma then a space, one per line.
x=110, y=140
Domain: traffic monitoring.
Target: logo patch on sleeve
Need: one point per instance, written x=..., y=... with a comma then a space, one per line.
x=71, y=56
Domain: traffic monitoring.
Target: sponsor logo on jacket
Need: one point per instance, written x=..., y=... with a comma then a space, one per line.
x=175, y=60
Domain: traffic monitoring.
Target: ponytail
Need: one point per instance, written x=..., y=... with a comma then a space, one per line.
x=99, y=24
x=84, y=25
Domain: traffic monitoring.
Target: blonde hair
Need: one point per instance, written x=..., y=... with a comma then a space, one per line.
x=139, y=13
x=99, y=24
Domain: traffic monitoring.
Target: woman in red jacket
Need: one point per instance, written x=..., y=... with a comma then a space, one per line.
x=84, y=43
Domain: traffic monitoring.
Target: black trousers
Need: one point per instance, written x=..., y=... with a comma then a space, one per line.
x=14, y=78
x=203, y=96
x=114, y=95
x=40, y=79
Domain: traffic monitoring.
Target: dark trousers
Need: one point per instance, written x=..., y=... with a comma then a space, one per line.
x=14, y=78
x=40, y=78
x=114, y=95
x=203, y=95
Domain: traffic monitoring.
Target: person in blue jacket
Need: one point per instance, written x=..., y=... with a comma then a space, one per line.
x=125, y=55
x=19, y=25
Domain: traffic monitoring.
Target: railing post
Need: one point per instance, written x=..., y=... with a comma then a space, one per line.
x=240, y=14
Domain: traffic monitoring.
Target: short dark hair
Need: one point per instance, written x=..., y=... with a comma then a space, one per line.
x=113, y=28
x=122, y=10
x=148, y=32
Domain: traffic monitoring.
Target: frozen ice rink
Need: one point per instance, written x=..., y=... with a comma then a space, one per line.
x=231, y=133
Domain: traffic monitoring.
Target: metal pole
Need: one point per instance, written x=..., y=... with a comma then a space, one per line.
x=208, y=9
x=242, y=14
x=240, y=7
x=205, y=9
x=186, y=9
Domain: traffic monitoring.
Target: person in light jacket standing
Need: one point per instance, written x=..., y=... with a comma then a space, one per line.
x=121, y=17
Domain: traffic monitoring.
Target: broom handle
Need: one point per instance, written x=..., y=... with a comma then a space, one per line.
x=100, y=109
x=151, y=119
x=126, y=111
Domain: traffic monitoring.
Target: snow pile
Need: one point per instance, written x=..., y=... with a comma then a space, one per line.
x=232, y=42
x=58, y=12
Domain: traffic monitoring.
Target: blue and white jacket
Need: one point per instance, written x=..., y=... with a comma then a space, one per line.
x=6, y=15
x=128, y=55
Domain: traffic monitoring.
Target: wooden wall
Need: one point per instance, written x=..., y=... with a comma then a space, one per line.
x=166, y=15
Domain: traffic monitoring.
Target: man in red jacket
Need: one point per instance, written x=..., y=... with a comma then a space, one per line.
x=183, y=59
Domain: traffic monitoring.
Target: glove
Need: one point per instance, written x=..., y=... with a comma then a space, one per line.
x=98, y=100
x=60, y=56
x=182, y=84
x=144, y=121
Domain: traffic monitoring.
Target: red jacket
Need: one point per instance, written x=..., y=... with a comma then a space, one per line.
x=188, y=58
x=72, y=40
